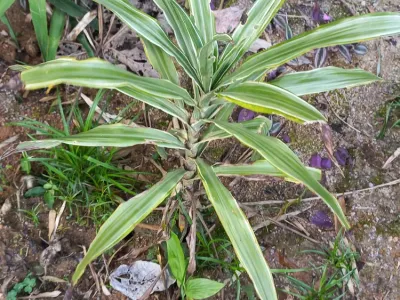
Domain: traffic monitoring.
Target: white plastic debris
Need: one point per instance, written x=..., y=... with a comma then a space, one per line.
x=133, y=281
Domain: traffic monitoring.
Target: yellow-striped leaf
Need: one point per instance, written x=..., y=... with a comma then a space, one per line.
x=126, y=217
x=281, y=157
x=239, y=231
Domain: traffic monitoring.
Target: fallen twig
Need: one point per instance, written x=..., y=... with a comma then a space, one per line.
x=271, y=202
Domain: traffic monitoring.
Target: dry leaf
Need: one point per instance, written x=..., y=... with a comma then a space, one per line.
x=43, y=295
x=227, y=19
x=52, y=222
x=391, y=158
x=89, y=17
x=53, y=279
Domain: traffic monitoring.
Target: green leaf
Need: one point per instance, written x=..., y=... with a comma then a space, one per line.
x=48, y=198
x=344, y=31
x=259, y=167
x=176, y=258
x=4, y=5
x=39, y=20
x=37, y=191
x=161, y=61
x=96, y=73
x=56, y=31
x=202, y=288
x=281, y=157
x=269, y=99
x=203, y=18
x=69, y=7
x=244, y=36
x=186, y=33
x=239, y=231
x=115, y=135
x=254, y=125
x=160, y=103
x=126, y=217
x=323, y=80
x=149, y=28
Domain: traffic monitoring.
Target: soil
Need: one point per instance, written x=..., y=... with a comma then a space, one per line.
x=355, y=115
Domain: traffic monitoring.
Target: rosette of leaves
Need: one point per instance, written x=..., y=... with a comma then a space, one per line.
x=219, y=83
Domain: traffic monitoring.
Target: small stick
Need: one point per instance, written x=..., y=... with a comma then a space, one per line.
x=96, y=279
x=294, y=231
x=269, y=202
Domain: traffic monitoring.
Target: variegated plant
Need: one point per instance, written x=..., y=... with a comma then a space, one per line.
x=201, y=114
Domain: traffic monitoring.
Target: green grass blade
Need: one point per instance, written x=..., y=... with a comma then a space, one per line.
x=280, y=156
x=73, y=10
x=39, y=20
x=239, y=231
x=323, y=80
x=244, y=36
x=4, y=5
x=6, y=22
x=345, y=31
x=149, y=28
x=97, y=73
x=56, y=31
x=186, y=33
x=260, y=167
x=254, y=125
x=161, y=61
x=270, y=99
x=115, y=135
x=126, y=217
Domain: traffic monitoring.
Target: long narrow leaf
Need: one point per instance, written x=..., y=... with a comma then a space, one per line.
x=97, y=73
x=281, y=157
x=160, y=103
x=269, y=99
x=116, y=135
x=186, y=33
x=254, y=125
x=126, y=217
x=260, y=167
x=161, y=61
x=345, y=31
x=56, y=31
x=203, y=18
x=39, y=20
x=244, y=36
x=239, y=231
x=4, y=5
x=149, y=28
x=323, y=80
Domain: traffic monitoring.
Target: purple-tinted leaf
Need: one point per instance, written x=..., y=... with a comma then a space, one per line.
x=342, y=156
x=276, y=127
x=272, y=75
x=326, y=163
x=321, y=219
x=345, y=52
x=286, y=138
x=315, y=161
x=212, y=4
x=360, y=49
x=320, y=57
x=246, y=114
x=316, y=12
x=326, y=17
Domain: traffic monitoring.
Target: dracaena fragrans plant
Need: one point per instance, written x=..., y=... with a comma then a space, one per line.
x=201, y=112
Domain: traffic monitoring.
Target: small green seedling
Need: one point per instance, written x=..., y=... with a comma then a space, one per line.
x=24, y=287
x=192, y=288
x=33, y=214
